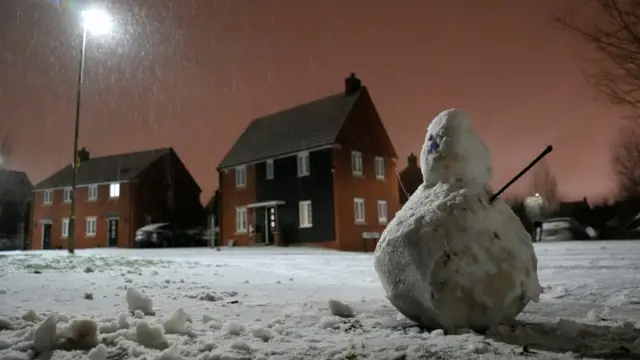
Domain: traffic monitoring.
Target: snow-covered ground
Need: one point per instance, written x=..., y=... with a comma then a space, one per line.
x=273, y=303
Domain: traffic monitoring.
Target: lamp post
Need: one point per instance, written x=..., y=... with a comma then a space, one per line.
x=96, y=22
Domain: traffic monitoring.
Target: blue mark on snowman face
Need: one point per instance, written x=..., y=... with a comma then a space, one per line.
x=433, y=146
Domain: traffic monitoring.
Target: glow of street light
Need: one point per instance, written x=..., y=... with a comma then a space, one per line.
x=537, y=195
x=96, y=21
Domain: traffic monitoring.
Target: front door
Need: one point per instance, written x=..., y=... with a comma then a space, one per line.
x=112, y=232
x=46, y=236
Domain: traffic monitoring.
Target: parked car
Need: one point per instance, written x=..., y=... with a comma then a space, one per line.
x=564, y=229
x=166, y=235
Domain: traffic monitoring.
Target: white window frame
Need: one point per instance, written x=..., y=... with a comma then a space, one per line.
x=91, y=226
x=304, y=164
x=356, y=163
x=383, y=212
x=242, y=226
x=269, y=169
x=114, y=190
x=64, y=230
x=240, y=174
x=359, y=212
x=379, y=165
x=92, y=193
x=305, y=214
x=67, y=194
x=47, y=197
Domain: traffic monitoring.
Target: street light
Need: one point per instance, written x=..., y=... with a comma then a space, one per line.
x=96, y=22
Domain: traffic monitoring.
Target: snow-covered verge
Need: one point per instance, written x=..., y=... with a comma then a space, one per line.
x=276, y=303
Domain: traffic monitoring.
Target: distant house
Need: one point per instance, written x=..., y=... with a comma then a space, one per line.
x=410, y=179
x=15, y=196
x=115, y=196
x=321, y=173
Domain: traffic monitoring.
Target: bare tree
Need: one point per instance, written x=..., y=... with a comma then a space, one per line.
x=612, y=28
x=545, y=188
x=626, y=162
x=5, y=150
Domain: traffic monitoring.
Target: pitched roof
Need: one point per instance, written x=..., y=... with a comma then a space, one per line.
x=103, y=169
x=14, y=180
x=299, y=128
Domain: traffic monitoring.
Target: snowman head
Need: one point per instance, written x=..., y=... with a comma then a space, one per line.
x=453, y=152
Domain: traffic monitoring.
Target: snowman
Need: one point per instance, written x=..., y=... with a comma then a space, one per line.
x=450, y=258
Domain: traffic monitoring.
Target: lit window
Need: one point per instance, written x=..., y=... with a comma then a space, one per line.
x=306, y=214
x=382, y=212
x=241, y=220
x=241, y=176
x=65, y=228
x=114, y=190
x=303, y=164
x=90, y=225
x=356, y=163
x=358, y=205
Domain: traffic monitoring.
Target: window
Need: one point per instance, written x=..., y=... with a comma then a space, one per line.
x=114, y=190
x=306, y=215
x=382, y=212
x=241, y=176
x=47, y=197
x=241, y=220
x=269, y=169
x=356, y=163
x=65, y=228
x=91, y=226
x=380, y=170
x=303, y=164
x=358, y=205
x=67, y=193
x=92, y=193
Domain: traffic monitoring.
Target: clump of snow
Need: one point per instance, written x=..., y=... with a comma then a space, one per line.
x=177, y=322
x=450, y=258
x=568, y=327
x=100, y=352
x=330, y=322
x=437, y=333
x=45, y=336
x=81, y=334
x=593, y=315
x=122, y=321
x=137, y=301
x=151, y=336
x=5, y=324
x=339, y=308
x=233, y=327
x=240, y=345
x=263, y=334
x=31, y=316
x=138, y=314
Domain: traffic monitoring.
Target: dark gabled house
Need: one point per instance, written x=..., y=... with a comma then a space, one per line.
x=320, y=173
x=115, y=196
x=15, y=196
x=410, y=179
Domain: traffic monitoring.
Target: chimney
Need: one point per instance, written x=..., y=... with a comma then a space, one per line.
x=83, y=155
x=412, y=160
x=351, y=85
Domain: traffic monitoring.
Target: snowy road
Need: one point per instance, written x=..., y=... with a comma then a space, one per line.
x=284, y=293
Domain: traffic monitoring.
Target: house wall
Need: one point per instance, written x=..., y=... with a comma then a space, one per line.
x=101, y=208
x=363, y=131
x=287, y=186
x=231, y=197
x=166, y=192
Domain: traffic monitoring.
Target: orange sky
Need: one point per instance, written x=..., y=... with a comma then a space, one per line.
x=193, y=73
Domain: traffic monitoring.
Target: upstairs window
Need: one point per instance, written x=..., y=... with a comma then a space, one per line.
x=47, y=197
x=380, y=169
x=92, y=193
x=304, y=168
x=356, y=163
x=269, y=169
x=67, y=194
x=241, y=176
x=114, y=190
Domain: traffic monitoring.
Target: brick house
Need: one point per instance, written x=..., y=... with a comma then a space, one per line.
x=15, y=198
x=320, y=173
x=116, y=195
